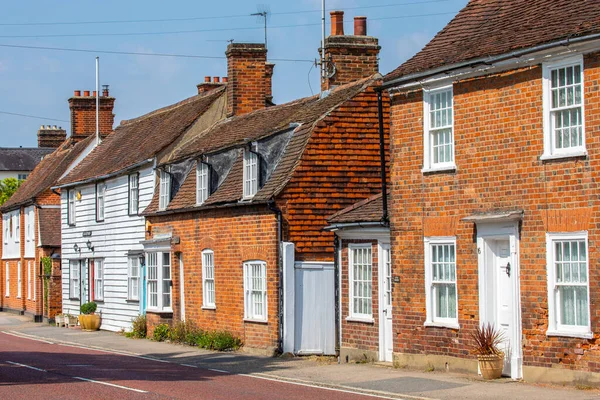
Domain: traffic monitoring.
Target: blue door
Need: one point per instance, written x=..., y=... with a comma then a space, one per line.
x=143, y=283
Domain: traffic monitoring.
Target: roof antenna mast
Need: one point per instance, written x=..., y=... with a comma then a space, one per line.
x=97, y=101
x=263, y=13
x=323, y=71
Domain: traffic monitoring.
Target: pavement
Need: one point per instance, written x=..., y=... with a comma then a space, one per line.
x=296, y=377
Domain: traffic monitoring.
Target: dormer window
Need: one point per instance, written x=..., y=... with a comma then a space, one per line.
x=202, y=182
x=250, y=174
x=164, y=190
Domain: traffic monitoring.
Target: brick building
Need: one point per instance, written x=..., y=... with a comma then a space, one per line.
x=31, y=217
x=242, y=205
x=494, y=205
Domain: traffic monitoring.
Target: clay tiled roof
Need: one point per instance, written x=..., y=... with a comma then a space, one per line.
x=21, y=159
x=240, y=130
x=140, y=139
x=493, y=27
x=368, y=210
x=49, y=222
x=47, y=172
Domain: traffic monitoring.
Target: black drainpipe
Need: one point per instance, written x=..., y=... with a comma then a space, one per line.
x=273, y=207
x=338, y=312
x=384, y=217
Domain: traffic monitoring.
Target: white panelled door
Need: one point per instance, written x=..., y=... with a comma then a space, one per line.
x=386, y=344
x=505, y=297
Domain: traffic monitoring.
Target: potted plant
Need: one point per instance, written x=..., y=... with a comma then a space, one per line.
x=70, y=320
x=88, y=319
x=59, y=320
x=490, y=358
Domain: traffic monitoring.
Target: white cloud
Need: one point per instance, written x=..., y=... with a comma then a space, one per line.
x=409, y=44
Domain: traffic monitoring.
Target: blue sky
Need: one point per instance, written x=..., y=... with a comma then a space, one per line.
x=39, y=82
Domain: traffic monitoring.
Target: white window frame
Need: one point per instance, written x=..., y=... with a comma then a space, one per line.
x=71, y=207
x=555, y=328
x=6, y=224
x=29, y=280
x=133, y=278
x=251, y=172
x=19, y=280
x=98, y=279
x=430, y=318
x=549, y=148
x=134, y=194
x=208, y=277
x=352, y=314
x=17, y=225
x=33, y=280
x=202, y=182
x=428, y=164
x=250, y=291
x=164, y=190
x=158, y=277
x=100, y=201
x=74, y=280
x=7, y=279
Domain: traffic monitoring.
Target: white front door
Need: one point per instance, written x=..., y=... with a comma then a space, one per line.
x=505, y=298
x=386, y=343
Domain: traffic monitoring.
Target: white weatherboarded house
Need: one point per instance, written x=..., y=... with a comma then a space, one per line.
x=102, y=200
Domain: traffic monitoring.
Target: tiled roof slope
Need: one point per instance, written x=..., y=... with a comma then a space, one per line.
x=49, y=220
x=492, y=27
x=47, y=172
x=368, y=210
x=142, y=138
x=237, y=131
x=21, y=159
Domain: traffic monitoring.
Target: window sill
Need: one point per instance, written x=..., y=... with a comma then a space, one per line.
x=132, y=301
x=446, y=168
x=98, y=301
x=364, y=320
x=581, y=335
x=580, y=153
x=448, y=325
x=159, y=311
x=208, y=307
x=256, y=321
x=74, y=298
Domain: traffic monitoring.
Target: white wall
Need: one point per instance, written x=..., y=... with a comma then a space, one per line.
x=10, y=241
x=12, y=174
x=29, y=232
x=111, y=239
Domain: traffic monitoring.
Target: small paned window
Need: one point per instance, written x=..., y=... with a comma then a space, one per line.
x=71, y=207
x=439, y=129
x=361, y=282
x=208, y=278
x=202, y=182
x=134, y=278
x=255, y=288
x=440, y=278
x=74, y=279
x=250, y=174
x=134, y=194
x=165, y=190
x=100, y=196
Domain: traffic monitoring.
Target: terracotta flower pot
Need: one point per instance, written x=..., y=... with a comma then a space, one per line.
x=89, y=322
x=491, y=365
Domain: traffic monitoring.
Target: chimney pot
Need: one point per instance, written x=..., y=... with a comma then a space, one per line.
x=105, y=90
x=207, y=79
x=42, y=127
x=360, y=26
x=77, y=93
x=216, y=79
x=86, y=93
x=224, y=80
x=337, y=23
x=94, y=93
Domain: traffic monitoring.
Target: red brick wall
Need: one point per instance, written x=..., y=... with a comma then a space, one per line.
x=360, y=335
x=246, y=73
x=498, y=141
x=235, y=235
x=83, y=116
x=340, y=166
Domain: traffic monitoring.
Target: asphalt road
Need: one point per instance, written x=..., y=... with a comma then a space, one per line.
x=31, y=369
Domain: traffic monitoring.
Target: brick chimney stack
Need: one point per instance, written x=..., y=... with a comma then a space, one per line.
x=51, y=136
x=247, y=78
x=349, y=57
x=269, y=67
x=209, y=84
x=83, y=114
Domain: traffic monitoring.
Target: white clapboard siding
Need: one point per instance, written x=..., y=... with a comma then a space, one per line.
x=10, y=243
x=112, y=239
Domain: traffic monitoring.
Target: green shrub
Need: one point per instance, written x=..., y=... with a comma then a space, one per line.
x=162, y=332
x=219, y=340
x=88, y=308
x=139, y=327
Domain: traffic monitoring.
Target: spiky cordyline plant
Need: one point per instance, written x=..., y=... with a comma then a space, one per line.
x=487, y=339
